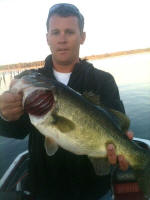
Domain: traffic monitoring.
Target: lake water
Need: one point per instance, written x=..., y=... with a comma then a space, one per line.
x=132, y=74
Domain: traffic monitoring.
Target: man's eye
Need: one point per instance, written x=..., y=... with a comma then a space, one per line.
x=55, y=32
x=70, y=32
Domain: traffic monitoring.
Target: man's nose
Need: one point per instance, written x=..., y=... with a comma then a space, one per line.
x=62, y=38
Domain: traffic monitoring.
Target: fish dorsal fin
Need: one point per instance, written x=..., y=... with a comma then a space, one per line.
x=101, y=166
x=50, y=146
x=124, y=121
x=93, y=98
x=64, y=125
x=120, y=119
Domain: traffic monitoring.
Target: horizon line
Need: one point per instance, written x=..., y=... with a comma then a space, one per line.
x=38, y=64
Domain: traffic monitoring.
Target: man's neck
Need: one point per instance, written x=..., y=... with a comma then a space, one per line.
x=64, y=68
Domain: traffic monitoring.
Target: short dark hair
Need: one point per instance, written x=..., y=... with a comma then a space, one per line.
x=66, y=10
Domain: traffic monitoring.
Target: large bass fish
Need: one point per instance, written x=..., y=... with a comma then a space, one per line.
x=72, y=121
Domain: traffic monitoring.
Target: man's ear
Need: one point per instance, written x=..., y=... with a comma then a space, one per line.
x=83, y=37
x=47, y=38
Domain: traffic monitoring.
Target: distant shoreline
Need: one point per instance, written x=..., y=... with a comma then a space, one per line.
x=38, y=64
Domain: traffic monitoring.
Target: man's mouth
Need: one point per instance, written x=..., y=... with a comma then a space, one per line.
x=62, y=50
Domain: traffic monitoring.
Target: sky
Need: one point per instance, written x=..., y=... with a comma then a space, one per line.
x=110, y=26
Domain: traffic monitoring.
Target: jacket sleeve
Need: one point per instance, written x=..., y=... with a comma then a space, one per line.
x=16, y=129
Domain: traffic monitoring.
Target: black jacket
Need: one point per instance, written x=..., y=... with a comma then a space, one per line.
x=65, y=175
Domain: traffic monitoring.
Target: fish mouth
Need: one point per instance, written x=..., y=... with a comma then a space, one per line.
x=39, y=102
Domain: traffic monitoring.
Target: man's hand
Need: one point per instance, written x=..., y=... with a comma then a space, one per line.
x=11, y=106
x=113, y=158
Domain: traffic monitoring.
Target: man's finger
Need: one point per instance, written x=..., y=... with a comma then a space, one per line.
x=112, y=158
x=10, y=97
x=130, y=135
x=123, y=164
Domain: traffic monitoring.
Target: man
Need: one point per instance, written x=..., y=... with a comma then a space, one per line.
x=63, y=175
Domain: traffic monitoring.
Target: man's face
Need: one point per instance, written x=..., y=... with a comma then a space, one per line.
x=64, y=39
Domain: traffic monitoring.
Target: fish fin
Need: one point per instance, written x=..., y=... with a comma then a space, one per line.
x=50, y=146
x=124, y=121
x=120, y=119
x=92, y=97
x=101, y=166
x=63, y=124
